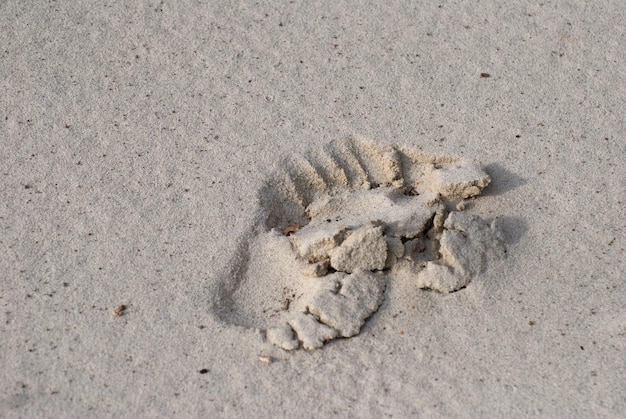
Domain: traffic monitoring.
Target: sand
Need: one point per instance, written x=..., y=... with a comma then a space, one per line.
x=140, y=143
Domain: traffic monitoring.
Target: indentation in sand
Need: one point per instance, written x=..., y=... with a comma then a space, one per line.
x=334, y=227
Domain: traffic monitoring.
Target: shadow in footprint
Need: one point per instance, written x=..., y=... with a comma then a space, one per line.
x=513, y=228
x=503, y=180
x=337, y=224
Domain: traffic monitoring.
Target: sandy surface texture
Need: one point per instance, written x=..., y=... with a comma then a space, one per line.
x=312, y=208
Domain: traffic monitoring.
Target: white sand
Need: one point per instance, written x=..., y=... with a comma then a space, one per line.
x=135, y=140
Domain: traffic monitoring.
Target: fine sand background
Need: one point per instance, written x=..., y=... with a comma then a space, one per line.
x=135, y=137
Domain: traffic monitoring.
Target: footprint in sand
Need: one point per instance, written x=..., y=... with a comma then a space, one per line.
x=335, y=225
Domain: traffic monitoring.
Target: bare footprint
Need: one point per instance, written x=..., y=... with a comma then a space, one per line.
x=333, y=227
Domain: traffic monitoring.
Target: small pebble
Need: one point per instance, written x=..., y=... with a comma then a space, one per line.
x=119, y=310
